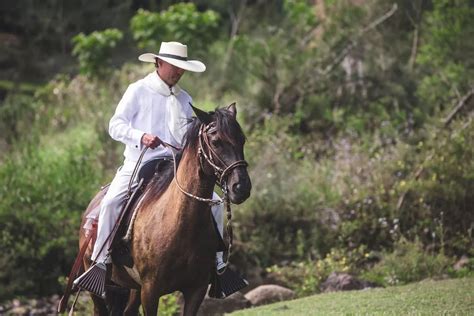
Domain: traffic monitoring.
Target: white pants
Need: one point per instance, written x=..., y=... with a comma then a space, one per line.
x=110, y=211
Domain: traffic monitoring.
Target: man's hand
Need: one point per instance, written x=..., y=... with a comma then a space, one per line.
x=151, y=141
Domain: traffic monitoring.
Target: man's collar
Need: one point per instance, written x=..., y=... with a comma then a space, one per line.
x=154, y=81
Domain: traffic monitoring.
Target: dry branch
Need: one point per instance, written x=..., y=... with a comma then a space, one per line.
x=464, y=100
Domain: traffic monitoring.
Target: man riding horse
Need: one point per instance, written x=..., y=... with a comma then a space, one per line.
x=153, y=111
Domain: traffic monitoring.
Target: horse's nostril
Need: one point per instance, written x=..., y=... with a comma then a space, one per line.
x=237, y=187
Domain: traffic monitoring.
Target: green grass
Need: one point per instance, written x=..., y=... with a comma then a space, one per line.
x=447, y=297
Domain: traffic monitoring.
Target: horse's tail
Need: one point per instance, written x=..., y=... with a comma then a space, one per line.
x=76, y=269
x=84, y=241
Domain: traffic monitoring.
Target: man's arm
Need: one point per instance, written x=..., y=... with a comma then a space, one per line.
x=119, y=125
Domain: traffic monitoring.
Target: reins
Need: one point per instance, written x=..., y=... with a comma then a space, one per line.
x=208, y=201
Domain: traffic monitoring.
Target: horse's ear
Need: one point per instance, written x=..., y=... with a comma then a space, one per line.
x=233, y=109
x=203, y=116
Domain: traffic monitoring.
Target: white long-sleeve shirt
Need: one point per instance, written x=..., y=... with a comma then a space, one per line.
x=143, y=110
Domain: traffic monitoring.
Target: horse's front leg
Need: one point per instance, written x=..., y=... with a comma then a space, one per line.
x=193, y=299
x=150, y=298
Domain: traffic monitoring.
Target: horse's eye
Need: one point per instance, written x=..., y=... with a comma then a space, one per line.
x=216, y=142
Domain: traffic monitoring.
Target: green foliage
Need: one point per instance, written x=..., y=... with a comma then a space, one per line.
x=277, y=62
x=351, y=198
x=180, y=22
x=438, y=204
x=58, y=155
x=44, y=190
x=330, y=81
x=466, y=271
x=449, y=26
x=300, y=14
x=169, y=304
x=446, y=52
x=297, y=206
x=306, y=277
x=93, y=50
x=408, y=262
x=16, y=115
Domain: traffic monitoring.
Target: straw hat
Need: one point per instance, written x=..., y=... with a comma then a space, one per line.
x=175, y=54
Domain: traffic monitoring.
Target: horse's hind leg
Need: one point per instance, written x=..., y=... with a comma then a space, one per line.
x=133, y=303
x=193, y=299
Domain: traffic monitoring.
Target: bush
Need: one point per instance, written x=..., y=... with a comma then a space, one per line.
x=44, y=191
x=16, y=114
x=409, y=262
x=289, y=214
x=466, y=271
x=445, y=51
x=350, y=195
x=93, y=50
x=180, y=22
x=437, y=206
x=306, y=277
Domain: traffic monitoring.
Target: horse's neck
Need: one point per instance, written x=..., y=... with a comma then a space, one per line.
x=194, y=182
x=190, y=177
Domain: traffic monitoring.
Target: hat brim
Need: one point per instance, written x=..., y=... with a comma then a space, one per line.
x=190, y=65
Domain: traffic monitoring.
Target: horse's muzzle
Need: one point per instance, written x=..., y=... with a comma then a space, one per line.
x=240, y=191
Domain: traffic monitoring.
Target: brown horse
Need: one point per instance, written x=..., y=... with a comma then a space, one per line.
x=174, y=239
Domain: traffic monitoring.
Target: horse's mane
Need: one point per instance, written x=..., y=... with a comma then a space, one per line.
x=225, y=124
x=229, y=130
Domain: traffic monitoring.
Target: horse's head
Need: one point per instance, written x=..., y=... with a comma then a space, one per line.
x=221, y=149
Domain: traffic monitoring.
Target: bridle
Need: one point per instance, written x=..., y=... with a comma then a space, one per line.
x=220, y=173
x=210, y=157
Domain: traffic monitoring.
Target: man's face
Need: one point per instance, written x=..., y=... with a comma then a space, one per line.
x=169, y=73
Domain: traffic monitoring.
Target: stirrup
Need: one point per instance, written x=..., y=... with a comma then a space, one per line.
x=93, y=280
x=227, y=283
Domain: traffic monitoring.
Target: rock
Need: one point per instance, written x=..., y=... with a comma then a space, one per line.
x=20, y=311
x=343, y=282
x=215, y=307
x=54, y=299
x=30, y=307
x=266, y=294
x=461, y=263
x=35, y=303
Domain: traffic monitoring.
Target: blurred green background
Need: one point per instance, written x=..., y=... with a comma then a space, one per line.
x=358, y=116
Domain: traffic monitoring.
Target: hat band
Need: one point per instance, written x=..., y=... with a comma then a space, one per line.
x=173, y=56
